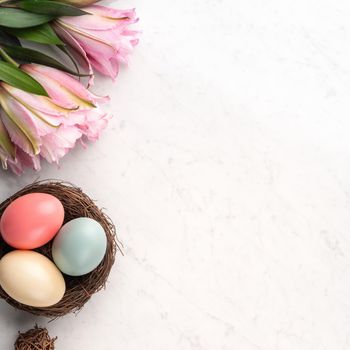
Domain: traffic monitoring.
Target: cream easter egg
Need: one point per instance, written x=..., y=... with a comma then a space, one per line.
x=31, y=279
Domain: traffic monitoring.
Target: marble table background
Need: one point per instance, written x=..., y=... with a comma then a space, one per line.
x=227, y=171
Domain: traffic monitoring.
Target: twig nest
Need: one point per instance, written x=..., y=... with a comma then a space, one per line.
x=79, y=289
x=35, y=339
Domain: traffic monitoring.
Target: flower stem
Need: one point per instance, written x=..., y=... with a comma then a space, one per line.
x=8, y=58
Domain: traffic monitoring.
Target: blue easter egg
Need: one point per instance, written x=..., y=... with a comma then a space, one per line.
x=79, y=246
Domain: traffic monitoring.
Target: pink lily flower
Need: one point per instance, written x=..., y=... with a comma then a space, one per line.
x=101, y=40
x=34, y=127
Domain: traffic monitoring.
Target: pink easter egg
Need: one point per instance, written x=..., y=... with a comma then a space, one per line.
x=31, y=221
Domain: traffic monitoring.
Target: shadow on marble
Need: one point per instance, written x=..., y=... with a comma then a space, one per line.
x=13, y=320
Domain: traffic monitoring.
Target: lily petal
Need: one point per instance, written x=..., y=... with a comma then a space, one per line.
x=19, y=124
x=95, y=123
x=61, y=87
x=103, y=36
x=77, y=50
x=105, y=18
x=5, y=141
x=25, y=160
x=56, y=145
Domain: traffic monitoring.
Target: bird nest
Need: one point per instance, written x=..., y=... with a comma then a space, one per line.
x=78, y=289
x=36, y=338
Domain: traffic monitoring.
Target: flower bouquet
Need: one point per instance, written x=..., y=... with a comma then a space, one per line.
x=45, y=107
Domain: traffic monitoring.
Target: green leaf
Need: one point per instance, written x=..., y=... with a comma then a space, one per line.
x=17, y=18
x=48, y=7
x=8, y=39
x=19, y=79
x=42, y=34
x=29, y=55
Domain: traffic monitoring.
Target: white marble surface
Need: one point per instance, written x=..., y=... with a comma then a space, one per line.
x=227, y=171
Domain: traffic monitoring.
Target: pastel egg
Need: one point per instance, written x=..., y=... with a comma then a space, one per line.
x=79, y=246
x=31, y=220
x=31, y=278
